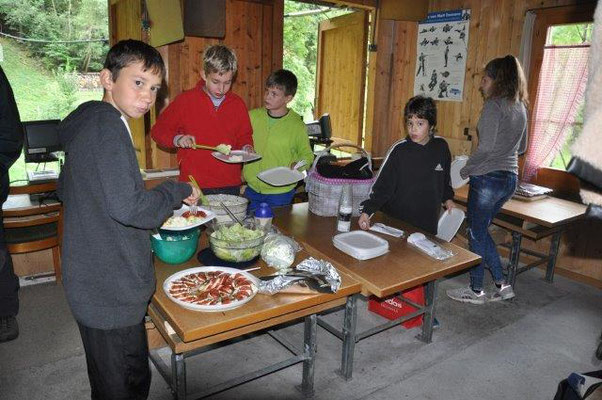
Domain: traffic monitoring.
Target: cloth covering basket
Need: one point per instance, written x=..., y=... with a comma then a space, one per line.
x=324, y=193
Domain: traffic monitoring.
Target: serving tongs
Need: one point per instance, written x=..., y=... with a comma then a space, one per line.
x=194, y=208
x=230, y=213
x=224, y=149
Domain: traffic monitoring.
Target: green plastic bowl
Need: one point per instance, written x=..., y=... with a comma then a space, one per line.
x=176, y=251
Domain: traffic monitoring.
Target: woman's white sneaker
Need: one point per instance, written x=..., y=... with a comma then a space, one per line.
x=467, y=295
x=505, y=292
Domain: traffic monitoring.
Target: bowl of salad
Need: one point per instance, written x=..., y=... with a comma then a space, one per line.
x=233, y=242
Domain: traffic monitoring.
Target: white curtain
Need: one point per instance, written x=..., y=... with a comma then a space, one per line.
x=524, y=55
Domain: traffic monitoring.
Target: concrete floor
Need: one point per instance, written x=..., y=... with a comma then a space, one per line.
x=518, y=349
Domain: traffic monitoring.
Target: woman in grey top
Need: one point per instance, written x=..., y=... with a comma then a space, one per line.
x=493, y=170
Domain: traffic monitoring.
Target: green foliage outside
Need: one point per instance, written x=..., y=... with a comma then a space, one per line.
x=43, y=75
x=301, y=49
x=60, y=20
x=569, y=35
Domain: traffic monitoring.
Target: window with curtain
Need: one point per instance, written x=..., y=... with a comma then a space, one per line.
x=558, y=107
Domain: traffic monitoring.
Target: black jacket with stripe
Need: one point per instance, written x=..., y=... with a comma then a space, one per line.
x=412, y=183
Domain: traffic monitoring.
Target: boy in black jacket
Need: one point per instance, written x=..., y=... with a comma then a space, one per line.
x=413, y=181
x=107, y=263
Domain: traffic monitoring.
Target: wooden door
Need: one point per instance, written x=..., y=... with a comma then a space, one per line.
x=341, y=74
x=124, y=23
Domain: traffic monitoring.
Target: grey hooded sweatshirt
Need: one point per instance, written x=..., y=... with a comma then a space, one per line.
x=108, y=273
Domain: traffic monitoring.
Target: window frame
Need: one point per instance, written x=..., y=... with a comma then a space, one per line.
x=561, y=181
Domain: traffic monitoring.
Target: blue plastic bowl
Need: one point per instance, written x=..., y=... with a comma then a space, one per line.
x=176, y=251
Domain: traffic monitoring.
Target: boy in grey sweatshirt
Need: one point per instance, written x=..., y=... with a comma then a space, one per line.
x=107, y=263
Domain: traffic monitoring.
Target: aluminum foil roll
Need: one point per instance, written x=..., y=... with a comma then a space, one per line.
x=278, y=283
x=321, y=267
x=318, y=275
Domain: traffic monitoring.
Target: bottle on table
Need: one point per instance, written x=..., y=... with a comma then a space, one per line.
x=263, y=216
x=345, y=209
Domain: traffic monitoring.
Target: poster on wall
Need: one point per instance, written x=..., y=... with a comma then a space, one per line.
x=441, y=55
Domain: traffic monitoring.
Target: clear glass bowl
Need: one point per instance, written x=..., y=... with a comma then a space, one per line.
x=235, y=250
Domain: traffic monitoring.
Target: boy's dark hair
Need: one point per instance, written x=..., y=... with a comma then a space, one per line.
x=284, y=80
x=508, y=79
x=131, y=51
x=421, y=107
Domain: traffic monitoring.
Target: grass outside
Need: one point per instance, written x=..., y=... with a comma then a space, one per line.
x=38, y=96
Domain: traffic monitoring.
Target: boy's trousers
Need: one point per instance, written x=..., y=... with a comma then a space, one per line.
x=117, y=362
x=9, y=283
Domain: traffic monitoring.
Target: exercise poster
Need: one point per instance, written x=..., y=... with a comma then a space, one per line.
x=441, y=55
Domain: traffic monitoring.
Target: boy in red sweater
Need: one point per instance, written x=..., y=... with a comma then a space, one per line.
x=209, y=115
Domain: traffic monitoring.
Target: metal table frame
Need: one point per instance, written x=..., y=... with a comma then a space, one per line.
x=350, y=337
x=175, y=374
x=515, y=250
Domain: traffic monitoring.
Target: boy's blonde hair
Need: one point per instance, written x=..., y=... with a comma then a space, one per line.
x=220, y=59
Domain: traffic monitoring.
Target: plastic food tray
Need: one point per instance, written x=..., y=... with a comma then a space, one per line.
x=449, y=223
x=454, y=172
x=360, y=244
x=280, y=176
x=236, y=156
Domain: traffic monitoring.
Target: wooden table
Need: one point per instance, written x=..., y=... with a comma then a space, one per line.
x=402, y=268
x=192, y=331
x=20, y=202
x=534, y=219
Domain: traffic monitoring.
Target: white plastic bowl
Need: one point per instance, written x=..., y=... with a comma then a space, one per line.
x=449, y=223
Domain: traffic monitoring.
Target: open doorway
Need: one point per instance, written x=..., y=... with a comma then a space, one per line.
x=51, y=53
x=326, y=47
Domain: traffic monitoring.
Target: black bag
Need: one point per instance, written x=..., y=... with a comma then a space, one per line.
x=358, y=169
x=567, y=392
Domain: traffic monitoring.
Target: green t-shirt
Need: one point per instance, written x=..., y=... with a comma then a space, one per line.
x=280, y=142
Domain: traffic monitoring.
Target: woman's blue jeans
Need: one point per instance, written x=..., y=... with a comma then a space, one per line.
x=486, y=196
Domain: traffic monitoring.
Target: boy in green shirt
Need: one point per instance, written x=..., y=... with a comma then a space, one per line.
x=280, y=137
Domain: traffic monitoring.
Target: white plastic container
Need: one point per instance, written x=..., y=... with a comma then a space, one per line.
x=449, y=223
x=360, y=244
x=454, y=172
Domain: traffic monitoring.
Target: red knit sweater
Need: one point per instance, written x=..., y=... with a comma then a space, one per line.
x=192, y=113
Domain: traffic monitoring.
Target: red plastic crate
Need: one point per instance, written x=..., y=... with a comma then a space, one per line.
x=392, y=307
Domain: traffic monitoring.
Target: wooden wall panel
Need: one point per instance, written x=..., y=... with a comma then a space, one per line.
x=395, y=65
x=254, y=31
x=125, y=16
x=35, y=263
x=495, y=30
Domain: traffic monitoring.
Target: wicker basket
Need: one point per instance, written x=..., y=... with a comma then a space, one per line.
x=324, y=193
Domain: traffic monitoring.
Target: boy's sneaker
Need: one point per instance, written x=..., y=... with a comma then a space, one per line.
x=505, y=292
x=467, y=295
x=9, y=329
